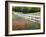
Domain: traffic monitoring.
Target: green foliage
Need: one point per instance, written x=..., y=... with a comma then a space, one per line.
x=26, y=9
x=35, y=9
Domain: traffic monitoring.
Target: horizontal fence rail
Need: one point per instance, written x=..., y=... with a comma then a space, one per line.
x=30, y=17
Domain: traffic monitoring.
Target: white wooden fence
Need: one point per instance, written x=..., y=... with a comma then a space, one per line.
x=30, y=17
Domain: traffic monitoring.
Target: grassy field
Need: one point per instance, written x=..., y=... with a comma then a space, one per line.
x=26, y=26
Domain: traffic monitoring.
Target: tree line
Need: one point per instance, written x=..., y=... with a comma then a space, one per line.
x=26, y=9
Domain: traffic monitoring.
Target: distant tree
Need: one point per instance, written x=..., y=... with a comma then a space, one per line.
x=13, y=8
x=26, y=9
x=34, y=9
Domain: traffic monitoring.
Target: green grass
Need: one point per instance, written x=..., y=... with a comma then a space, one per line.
x=31, y=26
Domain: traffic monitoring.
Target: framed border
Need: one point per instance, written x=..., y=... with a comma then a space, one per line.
x=6, y=18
